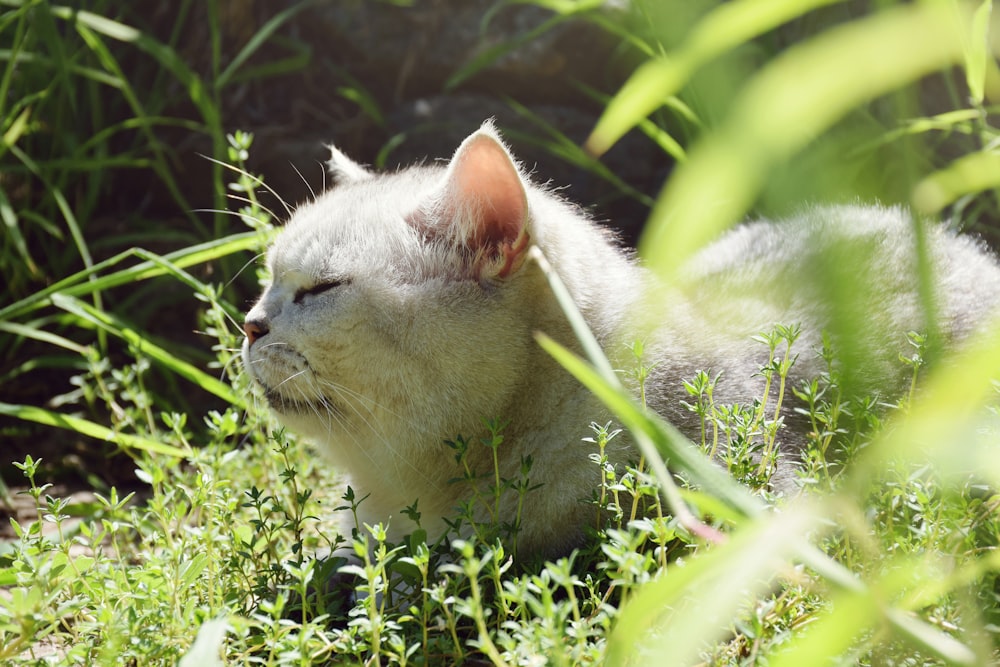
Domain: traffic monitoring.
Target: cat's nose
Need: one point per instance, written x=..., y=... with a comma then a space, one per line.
x=254, y=329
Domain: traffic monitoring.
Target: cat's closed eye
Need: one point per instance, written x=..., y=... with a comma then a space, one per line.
x=319, y=288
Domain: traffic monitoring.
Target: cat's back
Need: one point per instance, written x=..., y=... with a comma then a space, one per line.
x=859, y=277
x=830, y=253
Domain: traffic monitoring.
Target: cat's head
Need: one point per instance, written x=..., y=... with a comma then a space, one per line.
x=398, y=298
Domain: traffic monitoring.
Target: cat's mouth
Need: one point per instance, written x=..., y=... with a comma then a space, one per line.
x=284, y=404
x=289, y=383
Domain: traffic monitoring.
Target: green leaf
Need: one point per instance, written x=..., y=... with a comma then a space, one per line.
x=190, y=570
x=724, y=28
x=977, y=52
x=258, y=40
x=968, y=174
x=80, y=283
x=8, y=575
x=117, y=327
x=207, y=647
x=90, y=429
x=43, y=336
x=798, y=95
x=691, y=605
x=490, y=55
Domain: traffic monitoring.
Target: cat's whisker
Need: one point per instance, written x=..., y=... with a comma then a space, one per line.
x=331, y=415
x=224, y=371
x=275, y=344
x=375, y=428
x=258, y=181
x=248, y=264
x=296, y=169
x=343, y=391
x=251, y=202
x=290, y=378
x=415, y=425
x=225, y=211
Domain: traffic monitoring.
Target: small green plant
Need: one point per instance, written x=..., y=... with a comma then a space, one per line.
x=748, y=435
x=481, y=511
x=221, y=550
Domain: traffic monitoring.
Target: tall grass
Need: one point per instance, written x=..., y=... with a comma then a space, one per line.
x=87, y=103
x=892, y=560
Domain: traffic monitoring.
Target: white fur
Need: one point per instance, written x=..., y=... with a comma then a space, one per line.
x=416, y=345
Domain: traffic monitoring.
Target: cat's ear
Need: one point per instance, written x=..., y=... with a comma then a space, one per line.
x=344, y=169
x=482, y=207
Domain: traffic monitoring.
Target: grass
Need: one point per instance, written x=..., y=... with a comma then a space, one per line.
x=209, y=557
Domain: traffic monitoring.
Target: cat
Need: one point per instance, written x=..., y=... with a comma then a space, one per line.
x=402, y=308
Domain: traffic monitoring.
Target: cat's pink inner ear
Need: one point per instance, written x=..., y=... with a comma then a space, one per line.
x=486, y=191
x=489, y=188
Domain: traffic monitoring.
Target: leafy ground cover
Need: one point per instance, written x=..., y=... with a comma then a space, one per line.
x=205, y=551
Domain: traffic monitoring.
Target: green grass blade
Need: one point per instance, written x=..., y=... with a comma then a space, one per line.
x=258, y=40
x=161, y=163
x=947, y=410
x=685, y=609
x=365, y=101
x=77, y=285
x=302, y=55
x=654, y=436
x=791, y=101
x=579, y=325
x=968, y=174
x=490, y=55
x=666, y=441
x=67, y=211
x=90, y=73
x=89, y=25
x=119, y=328
x=16, y=43
x=10, y=222
x=850, y=617
x=90, y=429
x=658, y=135
x=43, y=336
x=15, y=130
x=564, y=7
x=724, y=28
x=569, y=151
x=121, y=32
x=977, y=52
x=833, y=634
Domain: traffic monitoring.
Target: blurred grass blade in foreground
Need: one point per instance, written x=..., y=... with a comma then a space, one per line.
x=798, y=95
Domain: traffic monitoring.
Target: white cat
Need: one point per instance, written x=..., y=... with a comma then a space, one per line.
x=402, y=309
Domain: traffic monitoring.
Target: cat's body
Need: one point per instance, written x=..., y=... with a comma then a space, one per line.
x=403, y=307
